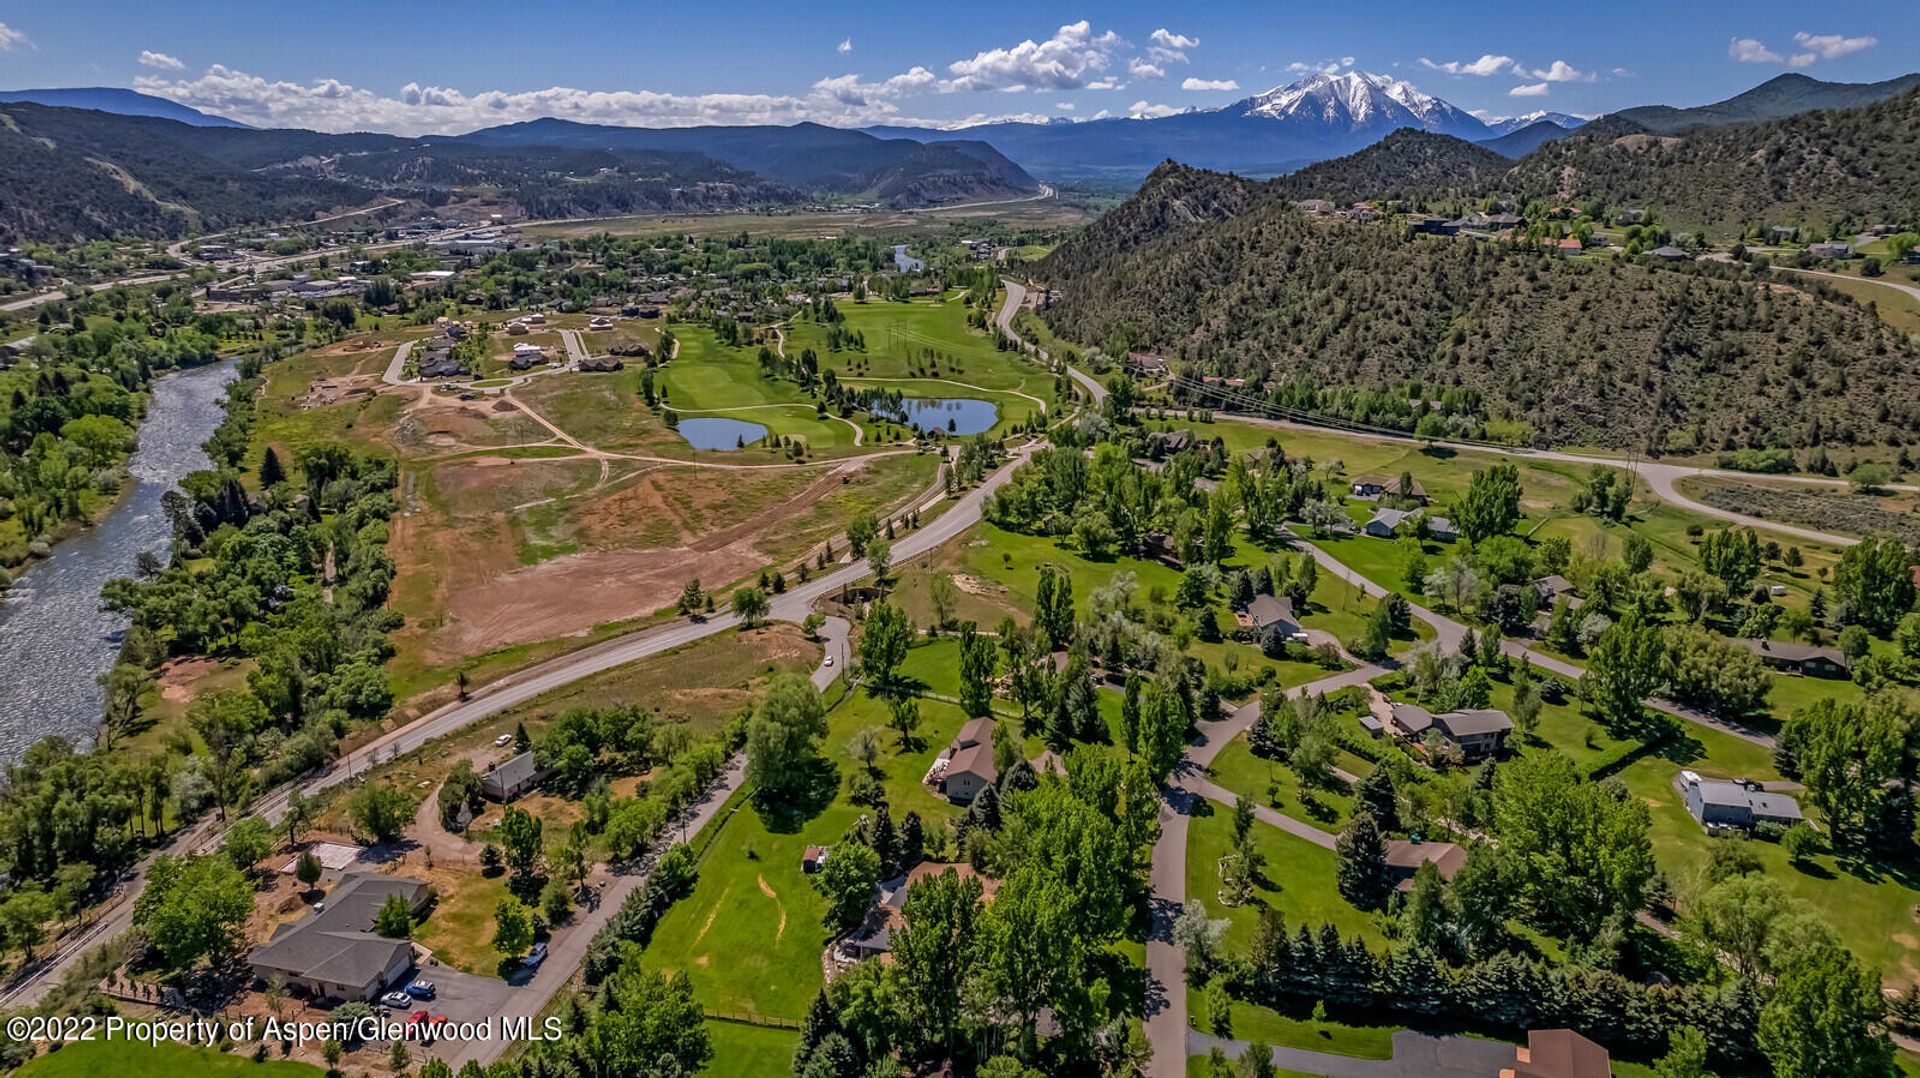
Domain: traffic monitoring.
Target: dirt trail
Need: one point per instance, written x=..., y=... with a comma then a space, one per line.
x=767, y=889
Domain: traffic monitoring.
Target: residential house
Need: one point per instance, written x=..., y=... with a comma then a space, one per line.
x=1558, y=1053
x=1476, y=732
x=1629, y=217
x=1405, y=856
x=1803, y=659
x=1146, y=363
x=1386, y=523
x=1315, y=205
x=1734, y=803
x=1552, y=587
x=334, y=954
x=1273, y=623
x=1442, y=529
x=970, y=767
x=1670, y=253
x=874, y=937
x=1374, y=486
x=1160, y=547
x=1435, y=226
x=1830, y=250
x=1783, y=233
x=509, y=779
x=1570, y=246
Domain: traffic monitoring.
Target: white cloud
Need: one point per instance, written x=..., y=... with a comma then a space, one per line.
x=160, y=60
x=1169, y=47
x=1535, y=89
x=1209, y=84
x=1142, y=69
x=849, y=90
x=1832, y=46
x=1324, y=67
x=1068, y=60
x=331, y=105
x=1346, y=61
x=1621, y=73
x=9, y=37
x=1750, y=51
x=1488, y=64
x=1561, y=71
x=1063, y=106
x=1141, y=110
x=845, y=46
x=1108, y=83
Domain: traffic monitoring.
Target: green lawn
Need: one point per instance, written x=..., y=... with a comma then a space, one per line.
x=1298, y=881
x=739, y=1048
x=1239, y=770
x=87, y=1059
x=1251, y=1021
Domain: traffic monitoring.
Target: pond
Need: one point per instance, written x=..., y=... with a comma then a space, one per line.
x=721, y=434
x=952, y=415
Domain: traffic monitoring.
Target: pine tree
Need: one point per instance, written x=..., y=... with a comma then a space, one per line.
x=271, y=471
x=820, y=1022
x=1362, y=869
x=1376, y=794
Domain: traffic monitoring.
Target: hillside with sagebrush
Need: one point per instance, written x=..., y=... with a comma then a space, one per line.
x=1223, y=275
x=1839, y=167
x=1407, y=164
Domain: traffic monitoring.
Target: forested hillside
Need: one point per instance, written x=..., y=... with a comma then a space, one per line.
x=1405, y=164
x=1367, y=320
x=1855, y=166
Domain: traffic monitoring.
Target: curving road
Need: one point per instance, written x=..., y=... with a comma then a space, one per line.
x=1017, y=298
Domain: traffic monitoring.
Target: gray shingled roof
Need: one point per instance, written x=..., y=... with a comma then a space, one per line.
x=335, y=945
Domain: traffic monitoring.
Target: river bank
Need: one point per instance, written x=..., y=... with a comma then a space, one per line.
x=55, y=641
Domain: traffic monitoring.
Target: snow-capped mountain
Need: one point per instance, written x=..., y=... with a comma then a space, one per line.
x=1510, y=124
x=1358, y=101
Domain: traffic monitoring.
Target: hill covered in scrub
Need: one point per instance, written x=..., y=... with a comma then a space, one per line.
x=1827, y=167
x=1406, y=164
x=1223, y=276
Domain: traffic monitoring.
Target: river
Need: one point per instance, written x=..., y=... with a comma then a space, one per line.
x=54, y=638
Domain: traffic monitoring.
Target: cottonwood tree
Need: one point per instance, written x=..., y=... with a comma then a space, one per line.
x=885, y=637
x=783, y=737
x=1491, y=505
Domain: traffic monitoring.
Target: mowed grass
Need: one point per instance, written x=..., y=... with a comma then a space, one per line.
x=1250, y=1021
x=1239, y=770
x=88, y=1059
x=742, y=1049
x=1298, y=881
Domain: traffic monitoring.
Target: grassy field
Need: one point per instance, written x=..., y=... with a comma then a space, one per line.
x=1298, y=881
x=1252, y=1021
x=739, y=1048
x=88, y=1059
x=1239, y=770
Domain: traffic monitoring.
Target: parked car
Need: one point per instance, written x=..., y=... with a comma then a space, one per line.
x=422, y=989
x=398, y=1000
x=416, y=1018
x=503, y=741
x=829, y=661
x=537, y=955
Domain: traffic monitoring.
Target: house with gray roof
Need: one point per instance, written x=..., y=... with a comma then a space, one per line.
x=1386, y=523
x=1476, y=732
x=1804, y=659
x=1734, y=802
x=335, y=954
x=510, y=778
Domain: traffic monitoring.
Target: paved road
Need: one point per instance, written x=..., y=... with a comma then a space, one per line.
x=1659, y=475
x=1910, y=290
x=1415, y=1055
x=525, y=685
x=568, y=949
x=1016, y=298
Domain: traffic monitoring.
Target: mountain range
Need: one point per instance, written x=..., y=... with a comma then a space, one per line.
x=119, y=101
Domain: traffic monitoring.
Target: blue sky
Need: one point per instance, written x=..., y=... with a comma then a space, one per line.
x=414, y=67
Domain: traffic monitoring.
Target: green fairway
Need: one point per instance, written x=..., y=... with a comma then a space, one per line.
x=739, y=1048
x=89, y=1059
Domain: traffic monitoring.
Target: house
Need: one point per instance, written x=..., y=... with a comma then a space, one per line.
x=1386, y=523
x=1734, y=803
x=1830, y=250
x=1273, y=623
x=1783, y=233
x=1160, y=547
x=1569, y=246
x=812, y=859
x=334, y=953
x=1373, y=486
x=970, y=767
x=1167, y=443
x=1629, y=217
x=517, y=328
x=1552, y=587
x=507, y=780
x=1497, y=221
x=1669, y=253
x=1146, y=363
x=602, y=364
x=1477, y=732
x=1442, y=529
x=1434, y=226
x=1803, y=659
x=874, y=937
x=1558, y=1053
x=1405, y=856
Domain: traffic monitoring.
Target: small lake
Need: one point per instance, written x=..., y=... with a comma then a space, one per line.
x=905, y=262
x=721, y=434
x=54, y=638
x=949, y=415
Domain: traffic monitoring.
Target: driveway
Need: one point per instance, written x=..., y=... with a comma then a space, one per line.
x=463, y=997
x=1415, y=1055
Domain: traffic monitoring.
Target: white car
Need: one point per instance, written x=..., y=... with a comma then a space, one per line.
x=399, y=1001
x=503, y=741
x=829, y=661
x=537, y=955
